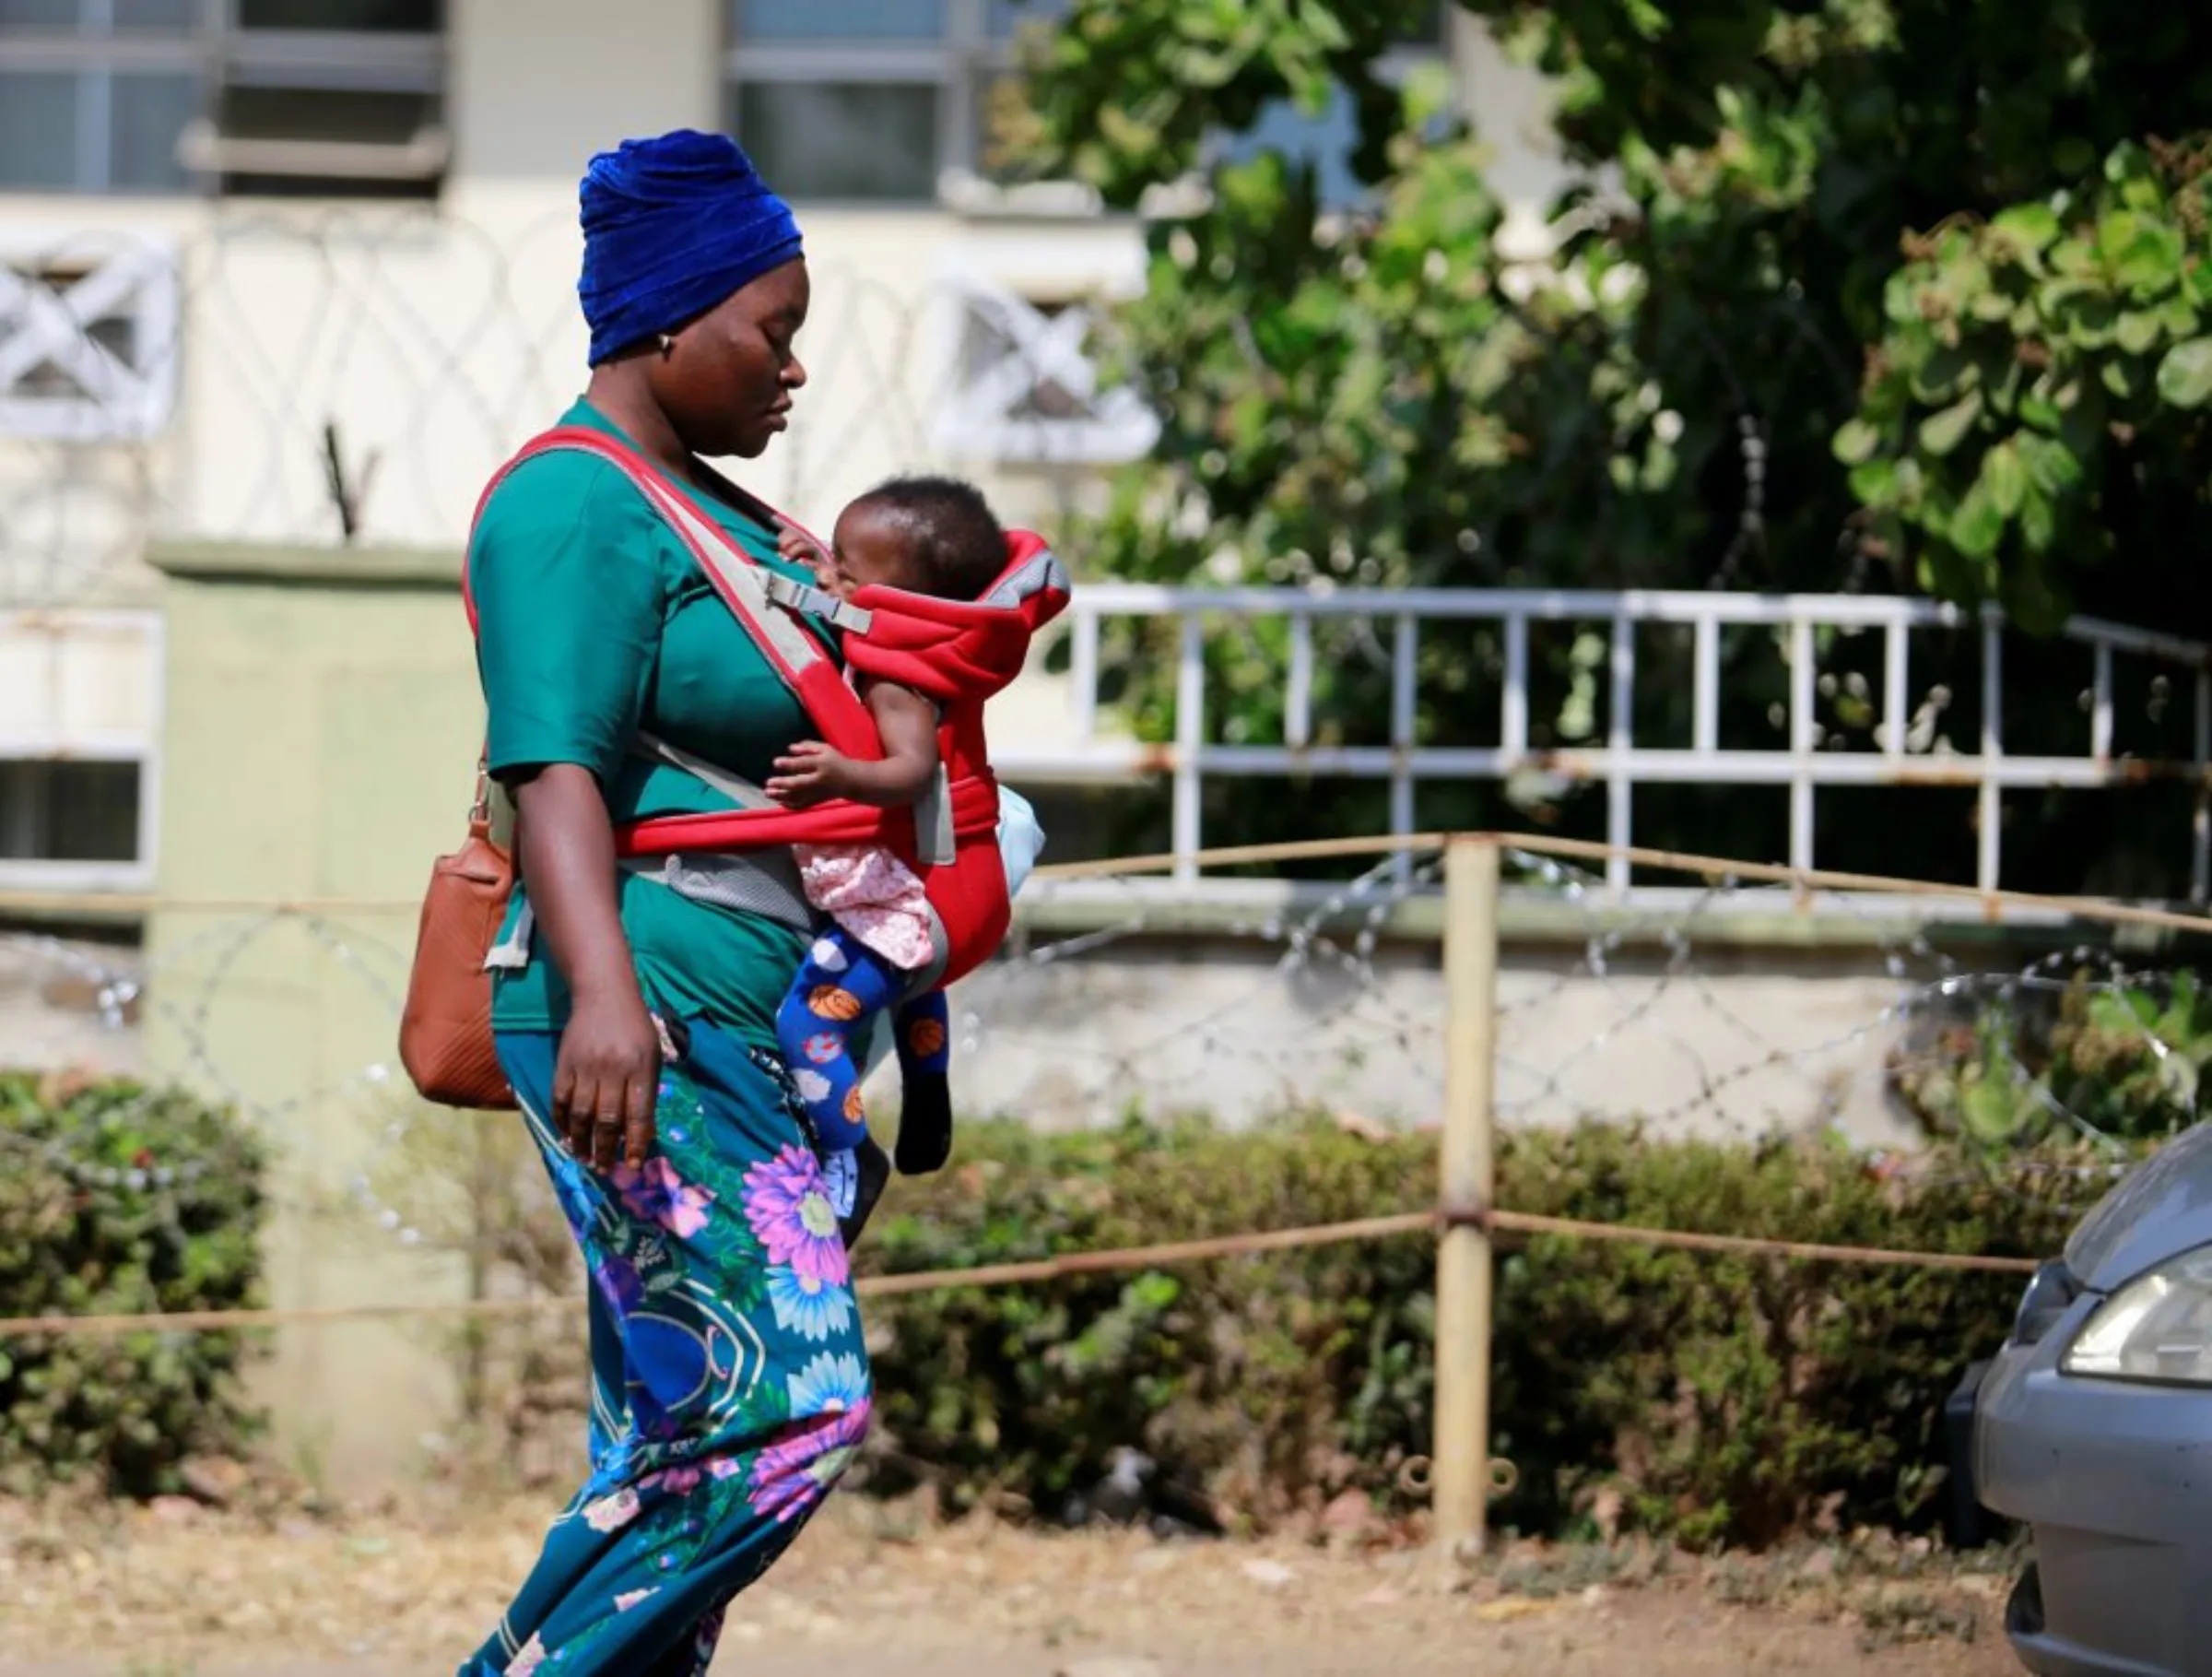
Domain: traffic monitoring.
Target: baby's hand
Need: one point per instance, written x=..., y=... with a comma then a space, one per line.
x=813, y=773
x=801, y=548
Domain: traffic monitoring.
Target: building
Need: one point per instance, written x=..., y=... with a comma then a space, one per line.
x=301, y=271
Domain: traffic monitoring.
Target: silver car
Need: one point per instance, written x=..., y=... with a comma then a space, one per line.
x=2093, y=1427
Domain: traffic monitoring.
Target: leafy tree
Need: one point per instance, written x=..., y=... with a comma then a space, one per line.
x=1882, y=294
x=2035, y=399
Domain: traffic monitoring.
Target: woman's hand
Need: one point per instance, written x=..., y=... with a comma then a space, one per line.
x=609, y=1070
x=812, y=774
x=606, y=1078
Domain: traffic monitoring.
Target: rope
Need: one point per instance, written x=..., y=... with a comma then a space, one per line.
x=1524, y=1222
x=1804, y=878
x=1146, y=1257
x=1823, y=878
x=1113, y=1261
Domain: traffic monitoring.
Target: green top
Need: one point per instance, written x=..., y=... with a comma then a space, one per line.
x=594, y=622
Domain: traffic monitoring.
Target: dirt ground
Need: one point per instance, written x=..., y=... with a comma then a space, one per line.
x=176, y=1590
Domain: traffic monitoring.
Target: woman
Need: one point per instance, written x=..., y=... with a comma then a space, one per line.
x=636, y=1020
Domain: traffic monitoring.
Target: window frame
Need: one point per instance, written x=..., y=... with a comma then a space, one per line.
x=220, y=53
x=957, y=62
x=49, y=743
x=1006, y=287
x=142, y=274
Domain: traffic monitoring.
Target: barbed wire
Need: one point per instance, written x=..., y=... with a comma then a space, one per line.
x=351, y=375
x=1659, y=1015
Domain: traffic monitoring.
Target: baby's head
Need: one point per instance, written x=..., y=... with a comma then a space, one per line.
x=934, y=536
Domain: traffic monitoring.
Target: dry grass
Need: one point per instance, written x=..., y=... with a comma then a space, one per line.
x=177, y=1588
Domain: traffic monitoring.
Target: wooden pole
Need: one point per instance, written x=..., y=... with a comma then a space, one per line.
x=1461, y=1448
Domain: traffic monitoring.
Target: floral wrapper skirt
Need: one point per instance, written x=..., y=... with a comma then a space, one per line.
x=730, y=1387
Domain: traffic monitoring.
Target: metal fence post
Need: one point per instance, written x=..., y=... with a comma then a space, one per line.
x=1460, y=1453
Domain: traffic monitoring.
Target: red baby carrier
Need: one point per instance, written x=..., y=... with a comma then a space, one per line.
x=957, y=652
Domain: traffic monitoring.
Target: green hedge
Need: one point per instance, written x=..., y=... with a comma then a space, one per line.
x=2125, y=1060
x=116, y=1198
x=1703, y=1396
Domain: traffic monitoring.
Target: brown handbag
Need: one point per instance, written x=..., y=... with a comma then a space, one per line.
x=446, y=1026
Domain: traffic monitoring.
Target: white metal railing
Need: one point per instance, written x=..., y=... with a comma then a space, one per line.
x=1620, y=763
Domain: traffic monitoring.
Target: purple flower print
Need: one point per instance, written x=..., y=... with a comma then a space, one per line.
x=619, y=1284
x=796, y=1472
x=789, y=1208
x=830, y=1397
x=676, y=1482
x=657, y=1194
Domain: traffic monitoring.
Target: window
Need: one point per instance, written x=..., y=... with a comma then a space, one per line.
x=266, y=95
x=88, y=339
x=69, y=812
x=79, y=745
x=871, y=101
x=1022, y=386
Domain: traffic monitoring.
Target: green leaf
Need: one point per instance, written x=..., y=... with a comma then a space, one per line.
x=1911, y=483
x=2004, y=392
x=1943, y=432
x=2125, y=162
x=1901, y=297
x=2032, y=227
x=2074, y=257
x=1947, y=372
x=2039, y=522
x=1978, y=526
x=2185, y=375
x=2090, y=319
x=2005, y=476
x=2150, y=262
x=2054, y=467
x=1874, y=482
x=1855, y=442
x=2119, y=377
x=2116, y=230
x=1992, y=1112
x=2138, y=330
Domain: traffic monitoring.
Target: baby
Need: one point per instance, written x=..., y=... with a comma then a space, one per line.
x=930, y=536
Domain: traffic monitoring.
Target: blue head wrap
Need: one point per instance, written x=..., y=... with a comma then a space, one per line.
x=671, y=227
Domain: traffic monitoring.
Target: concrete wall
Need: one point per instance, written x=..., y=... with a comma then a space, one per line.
x=1730, y=1025
x=322, y=724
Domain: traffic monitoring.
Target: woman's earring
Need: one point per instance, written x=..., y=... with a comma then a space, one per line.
x=667, y=342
